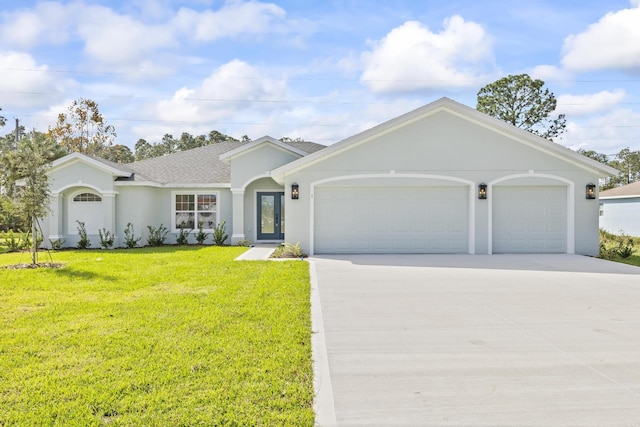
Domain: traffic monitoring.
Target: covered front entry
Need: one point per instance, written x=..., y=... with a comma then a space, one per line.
x=270, y=215
x=530, y=219
x=383, y=219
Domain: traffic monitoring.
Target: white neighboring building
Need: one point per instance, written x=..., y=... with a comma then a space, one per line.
x=620, y=209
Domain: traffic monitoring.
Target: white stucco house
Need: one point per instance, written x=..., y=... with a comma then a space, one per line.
x=620, y=209
x=443, y=178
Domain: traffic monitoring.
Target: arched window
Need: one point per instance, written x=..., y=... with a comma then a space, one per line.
x=87, y=197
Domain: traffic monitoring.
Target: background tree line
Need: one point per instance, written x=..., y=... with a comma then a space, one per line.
x=626, y=161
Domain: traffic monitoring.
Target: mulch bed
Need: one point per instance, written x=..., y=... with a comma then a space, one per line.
x=29, y=266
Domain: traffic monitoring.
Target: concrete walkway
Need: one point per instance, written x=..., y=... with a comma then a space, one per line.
x=476, y=340
x=258, y=253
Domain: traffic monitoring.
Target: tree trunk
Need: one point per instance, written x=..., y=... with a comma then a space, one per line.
x=34, y=243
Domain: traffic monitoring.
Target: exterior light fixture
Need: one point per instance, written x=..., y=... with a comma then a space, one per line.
x=295, y=193
x=591, y=191
x=482, y=191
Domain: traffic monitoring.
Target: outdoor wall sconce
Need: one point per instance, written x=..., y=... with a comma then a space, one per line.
x=482, y=191
x=295, y=193
x=591, y=191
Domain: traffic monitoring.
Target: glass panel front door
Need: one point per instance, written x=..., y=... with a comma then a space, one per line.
x=270, y=216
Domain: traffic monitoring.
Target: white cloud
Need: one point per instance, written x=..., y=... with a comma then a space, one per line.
x=130, y=41
x=550, y=73
x=234, y=92
x=233, y=19
x=412, y=57
x=608, y=133
x=120, y=40
x=581, y=105
x=25, y=83
x=609, y=43
x=46, y=23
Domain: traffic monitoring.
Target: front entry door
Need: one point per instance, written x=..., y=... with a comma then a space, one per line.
x=271, y=215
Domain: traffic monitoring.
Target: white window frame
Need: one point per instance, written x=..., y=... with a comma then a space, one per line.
x=174, y=226
x=95, y=193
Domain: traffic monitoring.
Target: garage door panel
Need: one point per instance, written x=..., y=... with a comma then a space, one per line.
x=391, y=219
x=529, y=219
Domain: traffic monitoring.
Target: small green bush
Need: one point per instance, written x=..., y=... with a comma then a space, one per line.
x=287, y=250
x=245, y=243
x=157, y=235
x=130, y=239
x=625, y=246
x=56, y=244
x=106, y=238
x=201, y=236
x=84, y=242
x=183, y=234
x=219, y=233
x=613, y=246
x=14, y=243
x=25, y=241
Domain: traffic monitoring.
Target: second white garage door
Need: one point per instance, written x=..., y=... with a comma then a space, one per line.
x=529, y=219
x=391, y=220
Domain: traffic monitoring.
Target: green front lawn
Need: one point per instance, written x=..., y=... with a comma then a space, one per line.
x=170, y=336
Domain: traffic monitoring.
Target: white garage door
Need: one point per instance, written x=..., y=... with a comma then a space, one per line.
x=391, y=220
x=529, y=219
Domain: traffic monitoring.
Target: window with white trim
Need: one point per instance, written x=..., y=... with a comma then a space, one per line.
x=87, y=197
x=192, y=210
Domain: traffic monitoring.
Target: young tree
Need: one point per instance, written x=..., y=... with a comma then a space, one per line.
x=10, y=161
x=33, y=155
x=523, y=102
x=83, y=129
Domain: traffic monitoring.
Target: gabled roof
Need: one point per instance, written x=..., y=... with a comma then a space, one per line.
x=626, y=191
x=265, y=140
x=112, y=168
x=445, y=104
x=204, y=165
x=198, y=166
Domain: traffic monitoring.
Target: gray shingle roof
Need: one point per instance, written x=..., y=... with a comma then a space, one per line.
x=628, y=190
x=196, y=166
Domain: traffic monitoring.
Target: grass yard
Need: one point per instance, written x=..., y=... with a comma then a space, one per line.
x=170, y=336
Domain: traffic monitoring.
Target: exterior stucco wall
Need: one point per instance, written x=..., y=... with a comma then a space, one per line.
x=140, y=206
x=621, y=215
x=68, y=181
x=80, y=174
x=258, y=162
x=148, y=206
x=445, y=148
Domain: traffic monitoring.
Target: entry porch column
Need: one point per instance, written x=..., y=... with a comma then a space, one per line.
x=238, y=215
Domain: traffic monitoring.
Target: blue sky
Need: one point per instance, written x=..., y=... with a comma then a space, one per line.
x=321, y=70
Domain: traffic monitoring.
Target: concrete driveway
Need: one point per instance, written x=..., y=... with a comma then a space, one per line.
x=533, y=340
